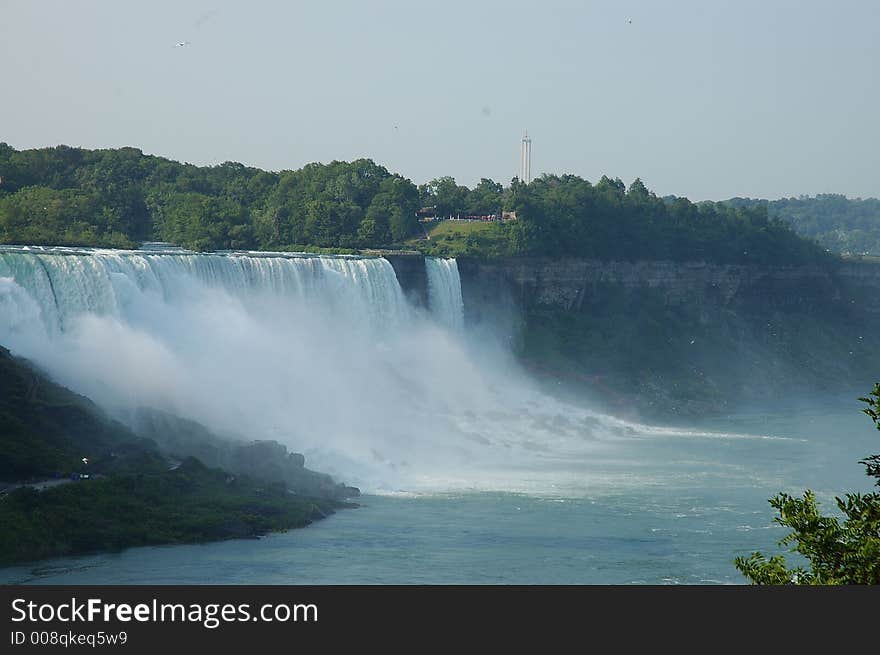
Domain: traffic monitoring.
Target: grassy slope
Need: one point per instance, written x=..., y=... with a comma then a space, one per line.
x=463, y=238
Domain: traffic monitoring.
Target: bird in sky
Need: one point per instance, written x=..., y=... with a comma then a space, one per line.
x=629, y=21
x=181, y=44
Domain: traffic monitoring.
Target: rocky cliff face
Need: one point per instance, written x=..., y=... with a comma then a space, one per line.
x=571, y=284
x=684, y=338
x=410, y=272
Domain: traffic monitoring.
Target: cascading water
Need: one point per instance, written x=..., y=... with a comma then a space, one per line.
x=69, y=283
x=321, y=353
x=444, y=292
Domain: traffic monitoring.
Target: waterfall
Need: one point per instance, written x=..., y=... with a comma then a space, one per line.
x=323, y=354
x=444, y=292
x=316, y=352
x=67, y=283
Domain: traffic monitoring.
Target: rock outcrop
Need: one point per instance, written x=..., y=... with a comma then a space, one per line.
x=265, y=460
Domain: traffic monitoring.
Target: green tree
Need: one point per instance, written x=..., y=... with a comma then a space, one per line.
x=119, y=197
x=638, y=189
x=838, y=551
x=330, y=223
x=449, y=198
x=485, y=198
x=839, y=223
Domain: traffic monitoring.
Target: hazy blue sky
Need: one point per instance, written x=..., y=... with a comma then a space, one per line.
x=708, y=99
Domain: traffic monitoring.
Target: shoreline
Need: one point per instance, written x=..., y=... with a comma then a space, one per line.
x=71, y=520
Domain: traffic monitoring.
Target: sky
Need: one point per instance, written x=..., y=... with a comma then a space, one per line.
x=707, y=99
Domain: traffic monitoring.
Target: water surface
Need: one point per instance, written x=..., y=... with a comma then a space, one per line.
x=677, y=510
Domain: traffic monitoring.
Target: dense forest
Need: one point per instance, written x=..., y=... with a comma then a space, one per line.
x=121, y=197
x=846, y=225
x=570, y=217
x=71, y=196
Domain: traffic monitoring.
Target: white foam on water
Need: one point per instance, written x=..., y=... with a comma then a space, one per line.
x=325, y=355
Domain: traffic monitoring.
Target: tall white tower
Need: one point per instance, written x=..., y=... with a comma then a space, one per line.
x=525, y=159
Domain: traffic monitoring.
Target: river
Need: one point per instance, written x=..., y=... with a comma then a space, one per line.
x=472, y=473
x=676, y=512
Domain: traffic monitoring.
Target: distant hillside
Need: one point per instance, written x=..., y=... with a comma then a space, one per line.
x=844, y=225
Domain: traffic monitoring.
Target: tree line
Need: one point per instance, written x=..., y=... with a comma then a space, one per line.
x=846, y=225
x=566, y=215
x=121, y=197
